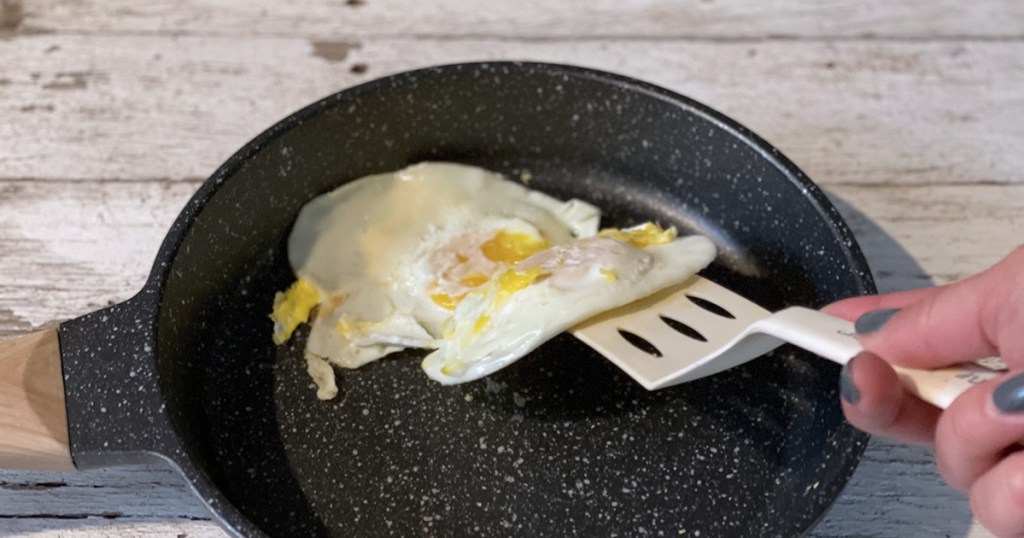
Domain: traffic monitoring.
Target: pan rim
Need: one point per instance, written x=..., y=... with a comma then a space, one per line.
x=193, y=208
x=222, y=508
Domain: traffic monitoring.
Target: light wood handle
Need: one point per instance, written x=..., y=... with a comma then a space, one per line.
x=33, y=419
x=941, y=387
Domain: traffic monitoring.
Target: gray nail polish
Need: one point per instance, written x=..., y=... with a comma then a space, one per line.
x=874, y=320
x=1009, y=395
x=847, y=389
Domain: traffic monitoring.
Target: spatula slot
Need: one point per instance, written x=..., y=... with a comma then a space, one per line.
x=710, y=307
x=640, y=343
x=683, y=328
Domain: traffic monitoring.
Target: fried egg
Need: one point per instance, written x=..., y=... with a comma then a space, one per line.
x=458, y=259
x=520, y=308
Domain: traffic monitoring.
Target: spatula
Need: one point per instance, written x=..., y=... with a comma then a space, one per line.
x=701, y=328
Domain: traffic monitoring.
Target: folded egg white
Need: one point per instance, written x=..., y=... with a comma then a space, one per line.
x=551, y=291
x=456, y=258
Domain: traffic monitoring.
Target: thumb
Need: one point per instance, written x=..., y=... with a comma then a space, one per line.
x=973, y=319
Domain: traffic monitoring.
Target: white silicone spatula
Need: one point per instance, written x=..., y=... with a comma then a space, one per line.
x=701, y=328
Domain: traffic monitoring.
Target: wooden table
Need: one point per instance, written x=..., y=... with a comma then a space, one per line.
x=910, y=115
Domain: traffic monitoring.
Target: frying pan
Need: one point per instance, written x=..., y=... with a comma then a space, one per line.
x=559, y=444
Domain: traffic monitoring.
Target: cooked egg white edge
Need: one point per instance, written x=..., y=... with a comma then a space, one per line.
x=359, y=230
x=464, y=356
x=355, y=243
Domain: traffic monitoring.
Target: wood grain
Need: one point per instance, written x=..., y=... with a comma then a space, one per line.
x=538, y=19
x=136, y=501
x=73, y=496
x=72, y=248
x=918, y=235
x=34, y=423
x=134, y=108
x=909, y=113
x=891, y=494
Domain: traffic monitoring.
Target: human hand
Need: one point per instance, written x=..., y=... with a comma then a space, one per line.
x=977, y=439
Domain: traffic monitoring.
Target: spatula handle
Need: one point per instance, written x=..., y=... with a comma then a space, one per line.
x=834, y=338
x=941, y=387
x=33, y=419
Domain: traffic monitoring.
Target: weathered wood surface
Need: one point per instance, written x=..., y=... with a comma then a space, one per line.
x=910, y=114
x=539, y=19
x=894, y=493
x=846, y=111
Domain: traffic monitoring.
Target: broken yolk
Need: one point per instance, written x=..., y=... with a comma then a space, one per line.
x=474, y=280
x=292, y=308
x=511, y=248
x=508, y=283
x=508, y=248
x=512, y=281
x=446, y=301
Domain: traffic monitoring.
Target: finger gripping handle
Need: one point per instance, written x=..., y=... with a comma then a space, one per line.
x=835, y=339
x=941, y=387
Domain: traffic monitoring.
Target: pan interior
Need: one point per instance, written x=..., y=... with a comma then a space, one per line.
x=561, y=442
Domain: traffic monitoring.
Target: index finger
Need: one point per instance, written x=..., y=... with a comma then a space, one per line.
x=855, y=307
x=973, y=319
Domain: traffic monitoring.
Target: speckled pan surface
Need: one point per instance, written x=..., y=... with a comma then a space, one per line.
x=561, y=443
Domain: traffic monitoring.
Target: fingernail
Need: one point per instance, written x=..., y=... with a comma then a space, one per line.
x=874, y=320
x=1009, y=395
x=847, y=389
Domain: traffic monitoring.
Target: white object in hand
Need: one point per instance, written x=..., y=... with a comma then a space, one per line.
x=686, y=341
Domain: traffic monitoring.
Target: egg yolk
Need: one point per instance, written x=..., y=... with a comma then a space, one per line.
x=480, y=323
x=446, y=301
x=474, y=280
x=512, y=281
x=292, y=308
x=449, y=302
x=512, y=248
x=507, y=283
x=507, y=248
x=641, y=236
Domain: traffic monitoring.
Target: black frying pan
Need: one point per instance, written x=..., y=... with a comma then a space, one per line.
x=559, y=444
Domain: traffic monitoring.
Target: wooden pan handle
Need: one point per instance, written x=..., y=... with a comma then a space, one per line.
x=33, y=420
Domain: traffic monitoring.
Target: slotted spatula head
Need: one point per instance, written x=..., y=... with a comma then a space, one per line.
x=700, y=328
x=679, y=334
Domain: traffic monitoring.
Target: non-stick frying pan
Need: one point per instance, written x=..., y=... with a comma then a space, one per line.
x=559, y=444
